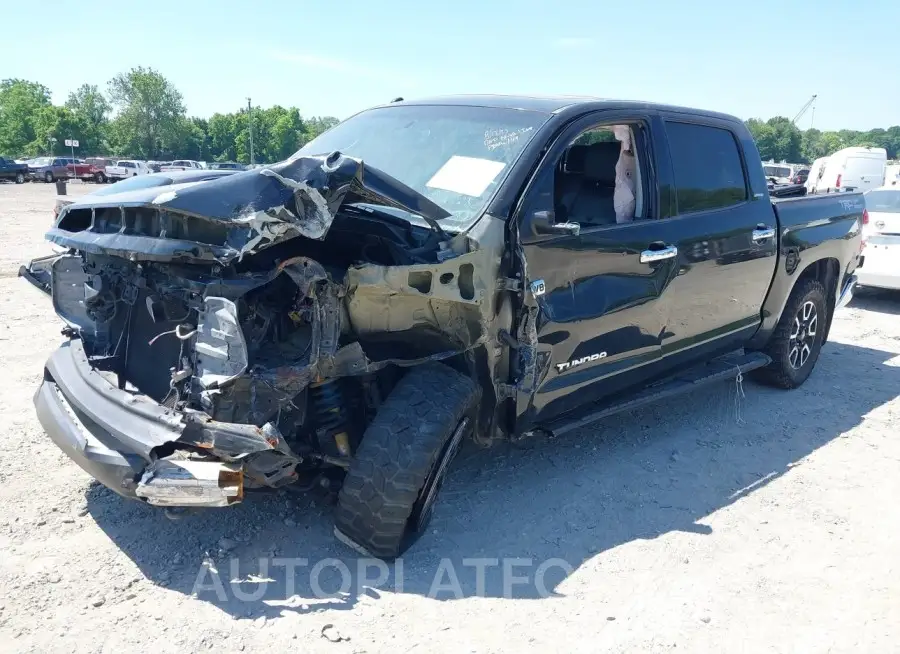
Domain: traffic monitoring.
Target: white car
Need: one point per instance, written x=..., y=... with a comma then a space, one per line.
x=125, y=168
x=880, y=264
x=181, y=164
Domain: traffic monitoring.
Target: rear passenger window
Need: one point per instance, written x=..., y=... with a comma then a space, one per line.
x=707, y=167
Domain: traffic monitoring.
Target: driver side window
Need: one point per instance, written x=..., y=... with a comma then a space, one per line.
x=597, y=180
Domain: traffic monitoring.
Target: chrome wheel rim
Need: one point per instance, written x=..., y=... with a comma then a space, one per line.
x=803, y=335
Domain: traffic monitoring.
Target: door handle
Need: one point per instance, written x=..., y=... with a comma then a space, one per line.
x=761, y=233
x=668, y=252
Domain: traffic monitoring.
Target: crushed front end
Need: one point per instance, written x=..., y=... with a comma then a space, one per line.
x=241, y=333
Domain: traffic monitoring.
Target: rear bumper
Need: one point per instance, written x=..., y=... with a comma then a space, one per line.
x=878, y=280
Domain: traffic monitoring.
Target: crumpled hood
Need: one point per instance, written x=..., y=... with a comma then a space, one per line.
x=253, y=209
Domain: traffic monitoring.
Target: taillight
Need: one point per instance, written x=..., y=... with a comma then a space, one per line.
x=865, y=216
x=837, y=184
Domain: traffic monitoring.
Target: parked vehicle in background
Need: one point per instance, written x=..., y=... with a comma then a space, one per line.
x=48, y=169
x=853, y=169
x=181, y=164
x=226, y=165
x=815, y=174
x=100, y=162
x=255, y=342
x=12, y=171
x=800, y=176
x=879, y=265
x=125, y=168
x=778, y=173
x=892, y=175
x=87, y=172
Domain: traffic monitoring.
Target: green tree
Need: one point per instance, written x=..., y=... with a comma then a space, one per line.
x=91, y=109
x=151, y=113
x=222, y=131
x=20, y=102
x=59, y=123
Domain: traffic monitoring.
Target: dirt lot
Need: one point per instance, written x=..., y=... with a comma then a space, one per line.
x=766, y=521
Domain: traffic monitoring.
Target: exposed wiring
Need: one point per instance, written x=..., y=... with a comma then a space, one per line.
x=178, y=334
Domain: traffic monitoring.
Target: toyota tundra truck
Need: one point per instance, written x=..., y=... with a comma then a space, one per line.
x=425, y=272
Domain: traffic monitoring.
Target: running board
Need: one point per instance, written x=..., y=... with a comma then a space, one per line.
x=724, y=367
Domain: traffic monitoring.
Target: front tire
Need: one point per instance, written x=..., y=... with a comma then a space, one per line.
x=797, y=341
x=388, y=495
x=20, y=178
x=100, y=178
x=48, y=177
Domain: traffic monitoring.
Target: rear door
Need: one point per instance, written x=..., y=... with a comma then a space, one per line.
x=726, y=235
x=595, y=287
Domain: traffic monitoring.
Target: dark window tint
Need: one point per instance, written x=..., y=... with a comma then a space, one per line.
x=707, y=166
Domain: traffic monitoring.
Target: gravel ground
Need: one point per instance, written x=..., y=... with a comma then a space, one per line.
x=762, y=521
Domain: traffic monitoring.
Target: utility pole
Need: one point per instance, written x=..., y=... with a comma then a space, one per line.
x=250, y=120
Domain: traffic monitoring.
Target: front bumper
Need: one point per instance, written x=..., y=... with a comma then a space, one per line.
x=108, y=432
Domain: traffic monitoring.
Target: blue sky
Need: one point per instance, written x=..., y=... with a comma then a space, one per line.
x=752, y=59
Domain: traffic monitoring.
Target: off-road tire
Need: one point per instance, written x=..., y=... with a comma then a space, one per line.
x=780, y=372
x=20, y=178
x=100, y=178
x=396, y=456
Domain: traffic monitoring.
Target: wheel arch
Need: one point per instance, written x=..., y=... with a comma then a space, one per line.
x=825, y=269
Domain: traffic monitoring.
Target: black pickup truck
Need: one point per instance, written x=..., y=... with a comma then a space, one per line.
x=422, y=272
x=12, y=171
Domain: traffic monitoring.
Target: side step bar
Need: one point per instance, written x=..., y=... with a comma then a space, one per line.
x=724, y=367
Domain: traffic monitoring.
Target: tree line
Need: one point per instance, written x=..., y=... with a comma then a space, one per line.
x=780, y=139
x=142, y=116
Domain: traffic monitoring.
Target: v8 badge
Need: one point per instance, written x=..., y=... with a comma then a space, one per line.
x=538, y=288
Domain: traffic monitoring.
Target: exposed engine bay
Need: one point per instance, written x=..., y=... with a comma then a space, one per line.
x=273, y=328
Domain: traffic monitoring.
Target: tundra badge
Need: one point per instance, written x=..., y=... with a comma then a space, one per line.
x=562, y=367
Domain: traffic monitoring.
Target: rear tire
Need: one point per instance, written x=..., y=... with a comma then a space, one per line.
x=388, y=495
x=797, y=341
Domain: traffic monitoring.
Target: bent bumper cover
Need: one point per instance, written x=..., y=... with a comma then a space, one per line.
x=108, y=432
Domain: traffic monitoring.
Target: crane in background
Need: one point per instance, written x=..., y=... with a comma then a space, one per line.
x=806, y=107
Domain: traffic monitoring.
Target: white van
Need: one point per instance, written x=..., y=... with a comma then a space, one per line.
x=892, y=175
x=853, y=169
x=815, y=174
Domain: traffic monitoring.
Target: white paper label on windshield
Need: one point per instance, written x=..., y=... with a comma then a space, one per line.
x=466, y=175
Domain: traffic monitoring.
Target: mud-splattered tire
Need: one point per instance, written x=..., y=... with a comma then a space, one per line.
x=789, y=367
x=387, y=495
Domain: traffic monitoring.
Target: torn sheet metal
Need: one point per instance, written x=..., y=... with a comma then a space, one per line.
x=185, y=482
x=224, y=219
x=220, y=347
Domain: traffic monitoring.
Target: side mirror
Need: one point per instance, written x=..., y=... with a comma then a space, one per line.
x=543, y=223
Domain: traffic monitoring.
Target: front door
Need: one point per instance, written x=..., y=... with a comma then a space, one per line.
x=594, y=286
